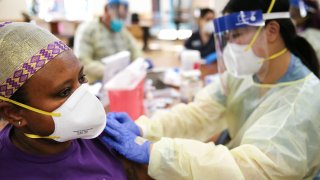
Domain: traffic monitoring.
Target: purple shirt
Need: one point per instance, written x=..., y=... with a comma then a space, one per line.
x=84, y=159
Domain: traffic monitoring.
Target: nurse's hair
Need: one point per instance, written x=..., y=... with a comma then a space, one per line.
x=205, y=11
x=295, y=43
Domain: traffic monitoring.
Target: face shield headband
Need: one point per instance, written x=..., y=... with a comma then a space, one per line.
x=249, y=19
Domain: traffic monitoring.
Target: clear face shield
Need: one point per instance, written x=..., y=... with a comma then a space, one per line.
x=241, y=44
x=118, y=12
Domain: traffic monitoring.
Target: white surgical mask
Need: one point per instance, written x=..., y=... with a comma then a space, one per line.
x=81, y=116
x=239, y=61
x=208, y=27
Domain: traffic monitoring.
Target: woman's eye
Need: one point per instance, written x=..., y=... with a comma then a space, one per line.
x=65, y=93
x=83, y=79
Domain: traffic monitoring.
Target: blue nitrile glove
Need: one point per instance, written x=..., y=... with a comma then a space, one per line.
x=210, y=58
x=131, y=146
x=148, y=64
x=125, y=120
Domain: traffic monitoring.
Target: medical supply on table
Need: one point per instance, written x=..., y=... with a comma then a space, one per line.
x=126, y=90
x=190, y=84
x=160, y=99
x=172, y=77
x=113, y=65
x=190, y=59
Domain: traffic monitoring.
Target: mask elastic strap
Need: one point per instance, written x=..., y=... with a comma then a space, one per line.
x=276, y=15
x=253, y=39
x=260, y=28
x=275, y=55
x=33, y=136
x=30, y=108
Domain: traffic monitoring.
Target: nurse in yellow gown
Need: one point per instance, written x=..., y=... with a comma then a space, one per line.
x=267, y=98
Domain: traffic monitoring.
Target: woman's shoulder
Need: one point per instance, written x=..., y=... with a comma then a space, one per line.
x=5, y=142
x=82, y=159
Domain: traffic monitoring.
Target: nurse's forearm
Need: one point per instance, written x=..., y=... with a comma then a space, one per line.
x=189, y=159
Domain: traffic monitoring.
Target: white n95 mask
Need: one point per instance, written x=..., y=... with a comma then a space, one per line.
x=80, y=116
x=239, y=61
x=208, y=27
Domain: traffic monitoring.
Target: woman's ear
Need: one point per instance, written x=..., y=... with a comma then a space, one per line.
x=272, y=31
x=12, y=114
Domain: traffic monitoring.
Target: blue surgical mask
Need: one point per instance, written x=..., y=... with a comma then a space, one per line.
x=116, y=25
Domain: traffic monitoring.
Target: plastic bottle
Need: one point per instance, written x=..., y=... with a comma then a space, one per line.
x=190, y=85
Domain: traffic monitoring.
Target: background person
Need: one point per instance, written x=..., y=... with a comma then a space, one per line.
x=104, y=36
x=203, y=39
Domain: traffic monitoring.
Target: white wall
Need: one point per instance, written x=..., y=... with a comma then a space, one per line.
x=217, y=5
x=140, y=6
x=204, y=3
x=11, y=10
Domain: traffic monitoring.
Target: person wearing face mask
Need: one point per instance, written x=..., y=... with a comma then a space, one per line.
x=266, y=97
x=203, y=39
x=104, y=36
x=52, y=118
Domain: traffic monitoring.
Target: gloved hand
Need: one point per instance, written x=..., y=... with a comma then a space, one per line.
x=126, y=143
x=125, y=120
x=209, y=59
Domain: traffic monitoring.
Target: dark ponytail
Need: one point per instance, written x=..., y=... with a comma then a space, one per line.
x=298, y=45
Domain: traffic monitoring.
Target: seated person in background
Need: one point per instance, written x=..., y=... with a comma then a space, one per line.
x=307, y=20
x=103, y=37
x=52, y=118
x=203, y=40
